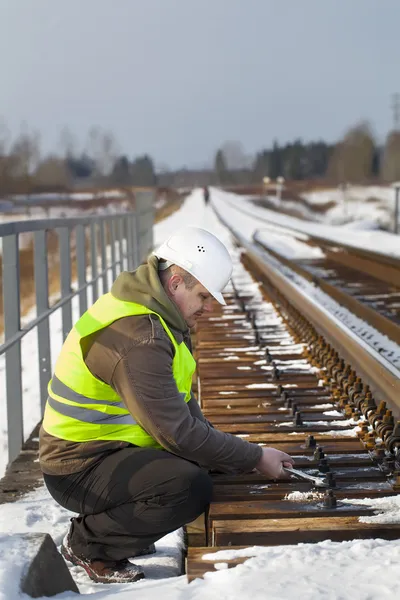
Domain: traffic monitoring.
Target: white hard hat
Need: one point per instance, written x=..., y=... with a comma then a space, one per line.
x=202, y=255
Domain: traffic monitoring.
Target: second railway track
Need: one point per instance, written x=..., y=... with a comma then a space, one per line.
x=366, y=283
x=266, y=373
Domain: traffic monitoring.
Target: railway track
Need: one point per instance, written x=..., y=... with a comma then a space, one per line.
x=365, y=283
x=281, y=373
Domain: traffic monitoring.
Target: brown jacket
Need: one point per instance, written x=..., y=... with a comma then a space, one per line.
x=134, y=356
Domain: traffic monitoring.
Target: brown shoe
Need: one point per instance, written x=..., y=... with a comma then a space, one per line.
x=118, y=571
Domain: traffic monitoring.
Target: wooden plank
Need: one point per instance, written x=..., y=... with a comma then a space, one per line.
x=273, y=532
x=282, y=509
x=275, y=417
x=278, y=491
x=296, y=443
x=196, y=531
x=342, y=473
x=267, y=408
x=248, y=357
x=237, y=402
x=263, y=428
x=295, y=387
x=285, y=378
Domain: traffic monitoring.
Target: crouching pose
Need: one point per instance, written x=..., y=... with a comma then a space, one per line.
x=124, y=443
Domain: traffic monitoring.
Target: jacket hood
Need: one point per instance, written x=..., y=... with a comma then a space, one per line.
x=143, y=286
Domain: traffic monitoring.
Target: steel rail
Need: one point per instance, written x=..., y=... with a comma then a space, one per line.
x=389, y=266
x=363, y=311
x=382, y=377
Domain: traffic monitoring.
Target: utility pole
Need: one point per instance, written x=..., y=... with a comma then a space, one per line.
x=396, y=186
x=279, y=187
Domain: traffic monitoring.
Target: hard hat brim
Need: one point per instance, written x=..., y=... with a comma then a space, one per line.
x=218, y=296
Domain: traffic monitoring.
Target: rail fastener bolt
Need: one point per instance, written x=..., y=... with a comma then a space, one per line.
x=330, y=500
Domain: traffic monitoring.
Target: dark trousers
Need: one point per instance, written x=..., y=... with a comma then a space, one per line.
x=130, y=499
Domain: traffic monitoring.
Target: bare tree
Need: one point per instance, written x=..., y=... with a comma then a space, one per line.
x=6, y=166
x=26, y=150
x=4, y=138
x=353, y=156
x=234, y=155
x=102, y=148
x=391, y=158
x=52, y=173
x=68, y=143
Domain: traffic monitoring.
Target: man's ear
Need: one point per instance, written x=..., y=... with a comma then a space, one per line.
x=174, y=281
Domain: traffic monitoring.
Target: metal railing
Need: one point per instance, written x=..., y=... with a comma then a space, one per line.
x=114, y=243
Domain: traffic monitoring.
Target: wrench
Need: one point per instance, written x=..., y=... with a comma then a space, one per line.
x=317, y=481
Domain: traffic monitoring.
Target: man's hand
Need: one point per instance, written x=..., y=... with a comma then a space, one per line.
x=272, y=462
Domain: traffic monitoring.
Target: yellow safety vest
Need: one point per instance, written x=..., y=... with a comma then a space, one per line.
x=80, y=407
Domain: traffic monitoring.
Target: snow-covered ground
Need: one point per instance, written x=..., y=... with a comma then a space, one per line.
x=370, y=205
x=360, y=233
x=359, y=569
x=367, y=206
x=362, y=569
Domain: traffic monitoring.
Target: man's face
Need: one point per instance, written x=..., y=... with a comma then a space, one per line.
x=192, y=303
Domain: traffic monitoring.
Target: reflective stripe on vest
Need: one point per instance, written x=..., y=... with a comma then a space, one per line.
x=60, y=389
x=89, y=415
x=82, y=408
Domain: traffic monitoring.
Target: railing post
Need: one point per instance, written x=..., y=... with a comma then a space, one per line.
x=65, y=278
x=122, y=256
x=134, y=246
x=81, y=266
x=12, y=325
x=113, y=236
x=129, y=243
x=103, y=248
x=145, y=220
x=42, y=304
x=396, y=209
x=93, y=260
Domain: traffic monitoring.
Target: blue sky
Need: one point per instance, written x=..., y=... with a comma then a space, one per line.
x=178, y=78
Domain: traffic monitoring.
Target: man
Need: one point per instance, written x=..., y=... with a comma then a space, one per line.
x=124, y=443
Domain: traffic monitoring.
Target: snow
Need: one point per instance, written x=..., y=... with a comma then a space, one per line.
x=387, y=509
x=252, y=217
x=304, y=496
x=325, y=570
x=358, y=207
x=37, y=512
x=261, y=386
x=333, y=432
x=289, y=246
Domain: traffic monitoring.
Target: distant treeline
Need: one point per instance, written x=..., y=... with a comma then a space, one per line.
x=356, y=158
